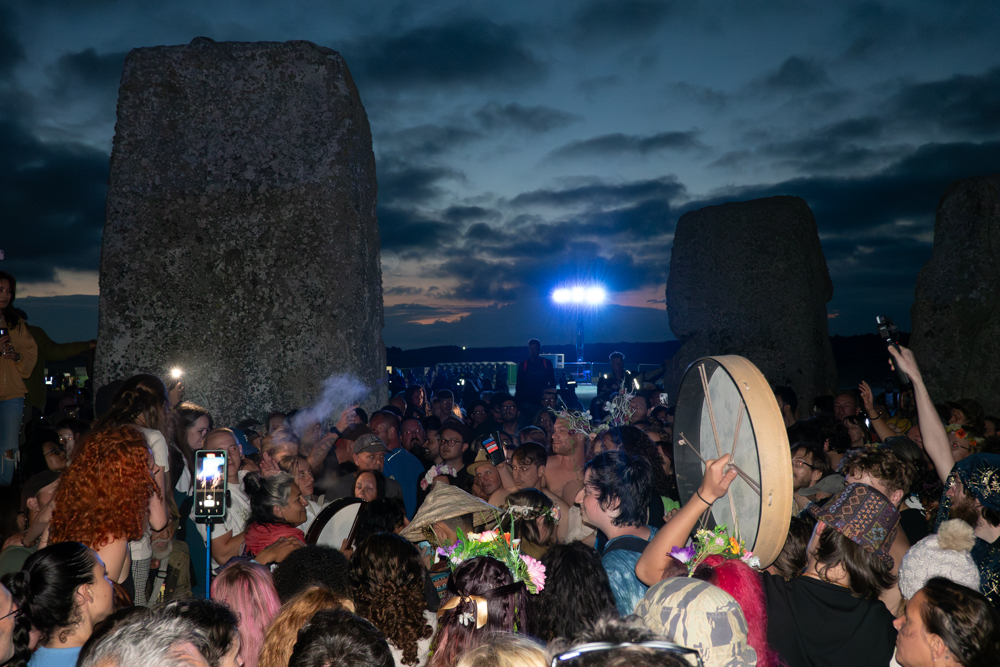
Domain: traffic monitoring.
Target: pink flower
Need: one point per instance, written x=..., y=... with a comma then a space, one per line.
x=536, y=571
x=720, y=542
x=485, y=536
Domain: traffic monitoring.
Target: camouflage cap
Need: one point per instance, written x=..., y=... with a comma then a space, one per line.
x=696, y=614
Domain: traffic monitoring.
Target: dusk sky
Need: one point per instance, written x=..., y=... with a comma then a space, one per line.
x=522, y=145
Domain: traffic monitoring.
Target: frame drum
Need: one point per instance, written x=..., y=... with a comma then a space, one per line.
x=334, y=523
x=725, y=406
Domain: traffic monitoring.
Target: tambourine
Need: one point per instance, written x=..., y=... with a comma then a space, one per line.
x=726, y=406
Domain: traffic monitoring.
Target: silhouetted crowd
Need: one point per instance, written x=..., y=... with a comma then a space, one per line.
x=465, y=524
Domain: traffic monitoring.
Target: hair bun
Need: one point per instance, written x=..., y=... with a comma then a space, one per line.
x=252, y=483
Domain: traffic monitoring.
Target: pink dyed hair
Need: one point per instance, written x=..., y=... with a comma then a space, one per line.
x=249, y=590
x=739, y=580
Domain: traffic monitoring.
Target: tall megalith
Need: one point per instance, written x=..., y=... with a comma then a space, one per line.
x=956, y=306
x=241, y=243
x=749, y=278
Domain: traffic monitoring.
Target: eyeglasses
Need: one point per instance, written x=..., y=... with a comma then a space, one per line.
x=452, y=442
x=608, y=646
x=55, y=451
x=11, y=613
x=799, y=463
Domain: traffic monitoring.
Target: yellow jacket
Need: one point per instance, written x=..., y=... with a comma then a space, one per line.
x=13, y=373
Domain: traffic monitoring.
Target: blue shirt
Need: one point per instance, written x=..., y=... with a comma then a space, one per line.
x=54, y=657
x=620, y=566
x=406, y=469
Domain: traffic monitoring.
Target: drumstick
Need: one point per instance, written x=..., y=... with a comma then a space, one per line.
x=736, y=436
x=711, y=412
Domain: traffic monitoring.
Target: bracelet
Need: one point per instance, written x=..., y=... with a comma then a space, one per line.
x=335, y=430
x=702, y=499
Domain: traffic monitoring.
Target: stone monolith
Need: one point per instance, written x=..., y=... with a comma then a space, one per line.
x=241, y=243
x=749, y=278
x=956, y=307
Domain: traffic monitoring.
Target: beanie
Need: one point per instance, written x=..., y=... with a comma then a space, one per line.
x=941, y=554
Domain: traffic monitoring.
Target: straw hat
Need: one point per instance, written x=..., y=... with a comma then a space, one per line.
x=447, y=502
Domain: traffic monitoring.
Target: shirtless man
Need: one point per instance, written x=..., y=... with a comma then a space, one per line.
x=528, y=469
x=564, y=468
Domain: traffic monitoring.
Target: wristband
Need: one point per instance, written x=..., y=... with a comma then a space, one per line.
x=335, y=430
x=701, y=499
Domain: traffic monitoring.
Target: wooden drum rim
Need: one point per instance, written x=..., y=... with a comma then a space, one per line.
x=771, y=441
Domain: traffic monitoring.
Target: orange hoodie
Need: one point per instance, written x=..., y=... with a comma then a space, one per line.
x=13, y=373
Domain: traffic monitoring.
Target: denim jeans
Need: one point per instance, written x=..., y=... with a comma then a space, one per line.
x=11, y=412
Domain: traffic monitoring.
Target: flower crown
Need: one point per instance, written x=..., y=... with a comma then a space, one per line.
x=961, y=432
x=435, y=471
x=491, y=543
x=715, y=542
x=619, y=410
x=525, y=512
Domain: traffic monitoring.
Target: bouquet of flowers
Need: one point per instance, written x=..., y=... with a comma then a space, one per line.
x=500, y=546
x=715, y=542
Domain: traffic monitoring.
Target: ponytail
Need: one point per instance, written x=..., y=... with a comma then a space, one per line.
x=45, y=590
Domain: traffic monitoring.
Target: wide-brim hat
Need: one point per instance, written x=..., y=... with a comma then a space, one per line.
x=447, y=502
x=698, y=615
x=481, y=460
x=863, y=515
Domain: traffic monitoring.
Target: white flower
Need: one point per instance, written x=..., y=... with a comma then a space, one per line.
x=466, y=618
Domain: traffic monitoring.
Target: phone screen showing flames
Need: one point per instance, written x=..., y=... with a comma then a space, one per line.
x=210, y=484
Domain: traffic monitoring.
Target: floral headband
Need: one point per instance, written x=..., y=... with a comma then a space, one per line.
x=525, y=512
x=436, y=471
x=715, y=542
x=619, y=410
x=961, y=432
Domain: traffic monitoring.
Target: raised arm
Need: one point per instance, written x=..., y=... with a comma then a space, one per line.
x=675, y=532
x=931, y=429
x=878, y=423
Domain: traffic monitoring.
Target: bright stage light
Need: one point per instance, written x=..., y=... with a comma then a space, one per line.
x=591, y=295
x=176, y=373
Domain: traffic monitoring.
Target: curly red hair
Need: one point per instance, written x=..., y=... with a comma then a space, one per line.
x=104, y=494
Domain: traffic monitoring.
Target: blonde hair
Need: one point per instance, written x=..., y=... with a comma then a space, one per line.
x=505, y=649
x=284, y=629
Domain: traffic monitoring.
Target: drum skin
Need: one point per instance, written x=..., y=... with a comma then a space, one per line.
x=327, y=515
x=761, y=451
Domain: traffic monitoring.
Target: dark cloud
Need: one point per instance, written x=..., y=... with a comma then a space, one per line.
x=87, y=70
x=797, y=74
x=967, y=104
x=496, y=116
x=428, y=140
x=53, y=201
x=608, y=145
x=410, y=233
x=402, y=182
x=603, y=194
x=605, y=21
x=847, y=146
x=469, y=213
x=403, y=290
x=11, y=49
x=467, y=52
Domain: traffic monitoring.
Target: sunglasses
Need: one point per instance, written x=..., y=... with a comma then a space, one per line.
x=593, y=647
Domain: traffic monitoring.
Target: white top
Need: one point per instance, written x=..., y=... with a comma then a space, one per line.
x=236, y=516
x=423, y=645
x=142, y=548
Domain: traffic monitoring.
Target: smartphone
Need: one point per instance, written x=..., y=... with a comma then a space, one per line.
x=493, y=449
x=210, y=483
x=888, y=332
x=3, y=331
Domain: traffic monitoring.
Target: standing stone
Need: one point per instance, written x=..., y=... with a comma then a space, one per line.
x=241, y=243
x=749, y=278
x=956, y=308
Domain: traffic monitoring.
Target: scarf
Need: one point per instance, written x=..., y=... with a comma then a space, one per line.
x=260, y=536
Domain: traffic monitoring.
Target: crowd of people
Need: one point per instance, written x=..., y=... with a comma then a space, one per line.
x=493, y=529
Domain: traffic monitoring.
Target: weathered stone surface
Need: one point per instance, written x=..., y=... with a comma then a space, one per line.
x=956, y=308
x=749, y=278
x=241, y=243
